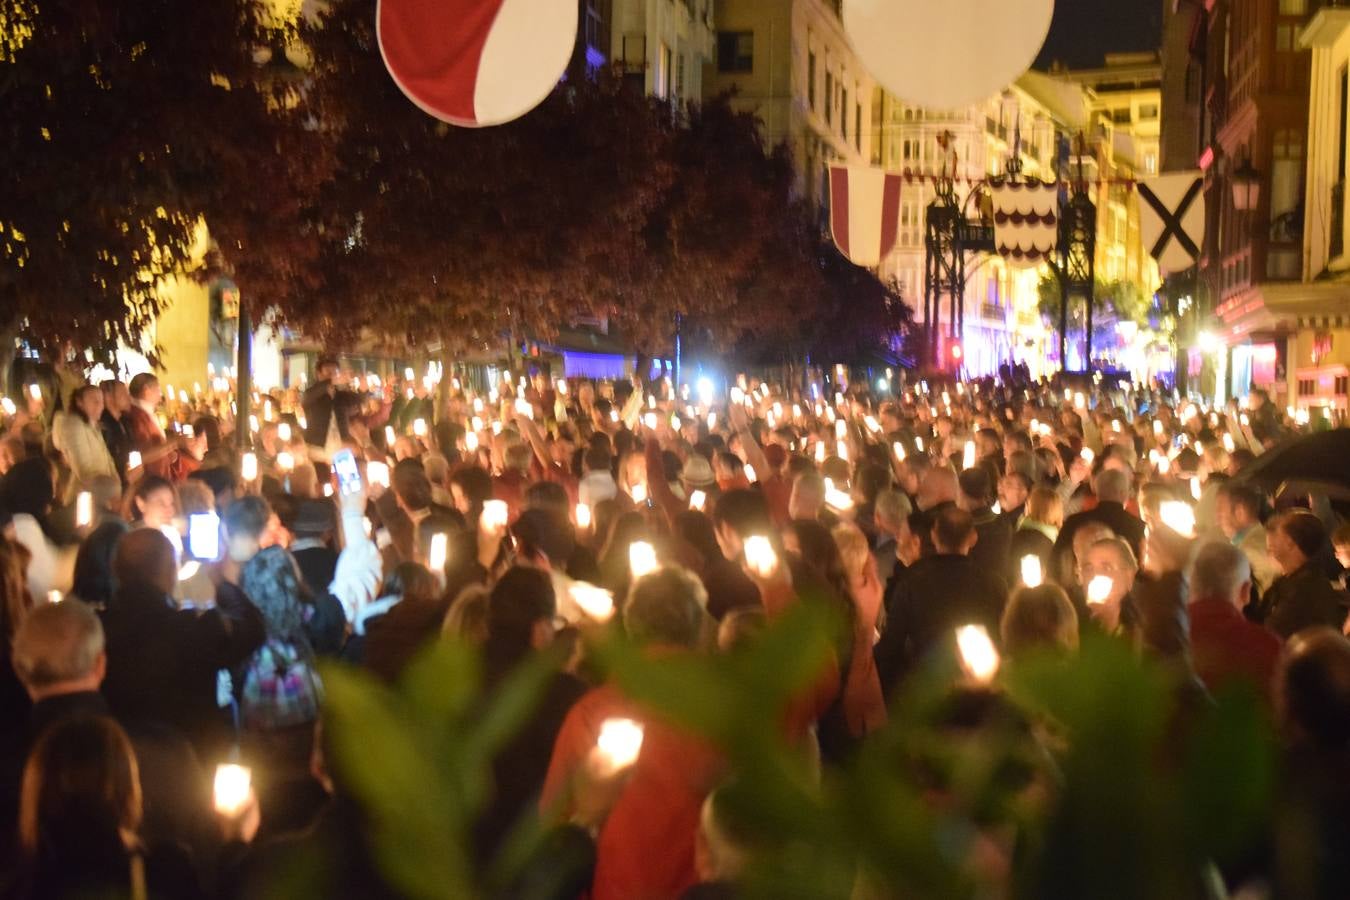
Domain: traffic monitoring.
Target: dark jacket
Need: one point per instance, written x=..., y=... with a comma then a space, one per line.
x=995, y=537
x=162, y=661
x=521, y=765
x=321, y=402
x=118, y=439
x=317, y=565
x=728, y=587
x=1299, y=600
x=929, y=602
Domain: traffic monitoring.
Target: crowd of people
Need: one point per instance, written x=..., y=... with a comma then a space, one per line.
x=168, y=594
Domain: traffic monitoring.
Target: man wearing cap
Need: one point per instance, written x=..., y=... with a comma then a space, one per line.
x=995, y=534
x=696, y=475
x=314, y=528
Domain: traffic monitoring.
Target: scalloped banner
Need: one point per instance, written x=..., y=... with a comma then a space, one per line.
x=1026, y=220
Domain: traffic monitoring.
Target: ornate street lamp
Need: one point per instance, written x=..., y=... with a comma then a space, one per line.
x=1246, y=183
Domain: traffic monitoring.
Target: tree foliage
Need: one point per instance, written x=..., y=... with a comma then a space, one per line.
x=1123, y=299
x=125, y=126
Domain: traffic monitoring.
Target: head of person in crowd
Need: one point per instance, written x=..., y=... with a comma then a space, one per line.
x=1113, y=558
x=521, y=610
x=1340, y=544
x=891, y=515
x=940, y=485
x=153, y=502
x=1039, y=619
x=729, y=468
x=860, y=570
x=145, y=390
x=1293, y=538
x=28, y=489
x=1220, y=571
x=516, y=458
x=543, y=539
x=549, y=497
x=208, y=427
x=666, y=608
x=1088, y=534
x=1046, y=507
x=106, y=493
x=871, y=480
x=221, y=481
x=411, y=487
x=1112, y=485
x=1016, y=441
x=86, y=402
x=1237, y=508
x=471, y=487
x=195, y=497
x=739, y=514
x=466, y=619
x=93, y=580
x=81, y=795
x=1014, y=489
x=1152, y=495
x=807, y=500
x=116, y=397
x=59, y=650
x=740, y=627
x=954, y=531
x=272, y=581
x=245, y=521
x=976, y=489
x=145, y=562
x=1313, y=690
x=911, y=473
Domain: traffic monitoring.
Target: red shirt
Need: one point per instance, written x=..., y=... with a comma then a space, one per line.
x=146, y=437
x=1226, y=648
x=645, y=850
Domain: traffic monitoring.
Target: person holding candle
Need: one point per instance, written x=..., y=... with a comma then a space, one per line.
x=1302, y=597
x=77, y=435
x=1107, y=574
x=170, y=459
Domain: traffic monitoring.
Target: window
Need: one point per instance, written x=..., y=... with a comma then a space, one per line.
x=811, y=81
x=735, y=51
x=843, y=114
x=1148, y=111
x=829, y=97
x=1293, y=7
x=1121, y=116
x=679, y=75
x=1284, y=37
x=1342, y=383
x=661, y=77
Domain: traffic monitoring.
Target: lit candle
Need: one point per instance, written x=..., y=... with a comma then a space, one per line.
x=698, y=500
x=597, y=603
x=420, y=427
x=439, y=549
x=233, y=784
x=84, y=510
x=1178, y=516
x=134, y=459
x=1099, y=588
x=1031, y=570
x=968, y=458
x=641, y=558
x=248, y=467
x=619, y=745
x=899, y=450
x=495, y=514
x=760, y=557
x=979, y=658
x=583, y=515
x=638, y=493
x=378, y=473
x=285, y=461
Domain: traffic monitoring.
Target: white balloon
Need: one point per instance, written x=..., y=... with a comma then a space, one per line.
x=947, y=54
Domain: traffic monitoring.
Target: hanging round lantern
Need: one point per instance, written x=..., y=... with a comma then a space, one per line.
x=476, y=62
x=947, y=54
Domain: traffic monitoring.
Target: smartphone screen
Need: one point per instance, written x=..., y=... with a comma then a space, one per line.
x=348, y=475
x=204, y=536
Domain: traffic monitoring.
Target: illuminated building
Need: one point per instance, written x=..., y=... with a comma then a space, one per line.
x=789, y=62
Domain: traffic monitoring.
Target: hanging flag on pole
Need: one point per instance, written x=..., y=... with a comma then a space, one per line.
x=1172, y=218
x=864, y=213
x=476, y=62
x=1026, y=220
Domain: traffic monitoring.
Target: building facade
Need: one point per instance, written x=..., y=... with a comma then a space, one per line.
x=790, y=63
x=665, y=44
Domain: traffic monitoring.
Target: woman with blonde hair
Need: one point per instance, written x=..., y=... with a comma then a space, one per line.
x=15, y=601
x=1036, y=532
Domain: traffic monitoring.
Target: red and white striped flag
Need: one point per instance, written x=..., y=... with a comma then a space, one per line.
x=864, y=213
x=476, y=62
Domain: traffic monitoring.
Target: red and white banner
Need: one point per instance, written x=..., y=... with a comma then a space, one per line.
x=476, y=62
x=864, y=213
x=1026, y=220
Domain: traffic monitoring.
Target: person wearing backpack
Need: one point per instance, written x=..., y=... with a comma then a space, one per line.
x=279, y=688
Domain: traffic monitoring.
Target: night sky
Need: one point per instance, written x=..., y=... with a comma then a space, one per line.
x=1083, y=31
